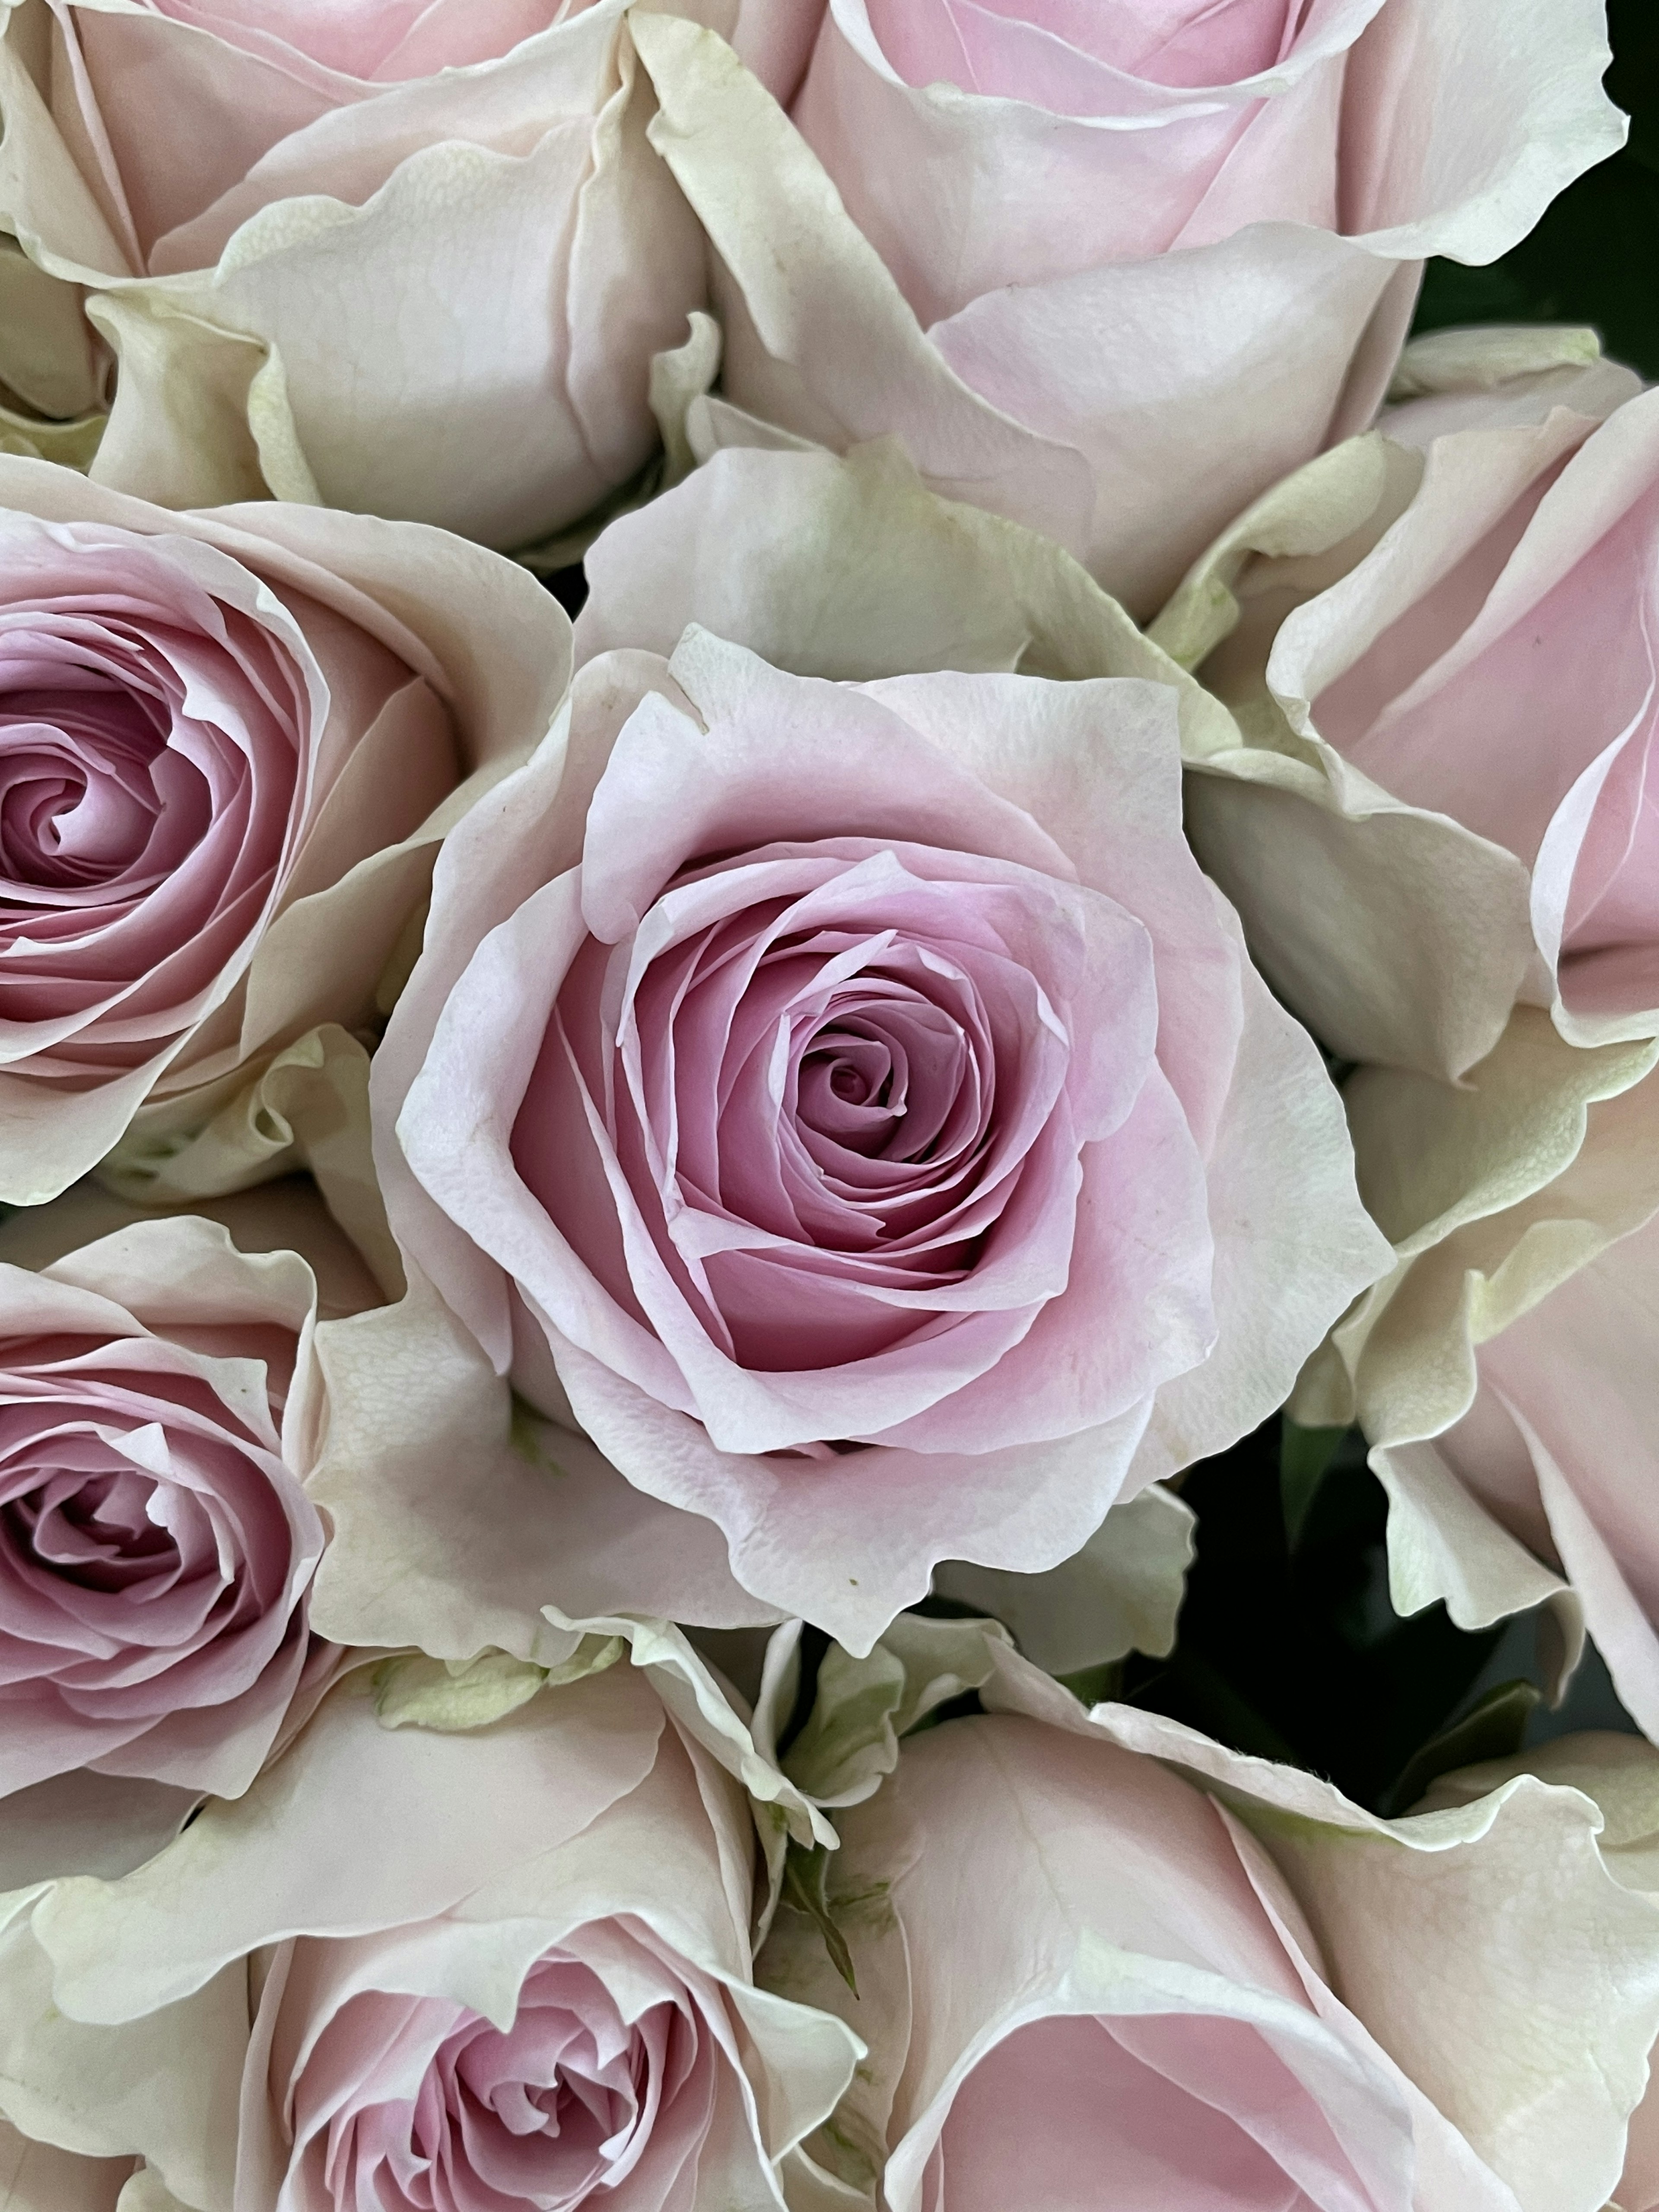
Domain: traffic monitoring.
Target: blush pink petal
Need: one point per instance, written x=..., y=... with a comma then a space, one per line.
x=1260, y=2097
x=1522, y=697
x=852, y=1540
x=1583, y=1496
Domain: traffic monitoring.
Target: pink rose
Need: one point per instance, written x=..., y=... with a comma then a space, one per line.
x=228, y=747
x=160, y=1409
x=1130, y=263
x=851, y=1102
x=441, y=224
x=1490, y=661
x=467, y=1970
x=1561, y=1443
x=1093, y=1945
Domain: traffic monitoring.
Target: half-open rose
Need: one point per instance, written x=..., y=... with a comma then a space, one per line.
x=1110, y=269
x=160, y=1409
x=228, y=747
x=436, y=233
x=1103, y=1962
x=852, y=1103
x=418, y=1970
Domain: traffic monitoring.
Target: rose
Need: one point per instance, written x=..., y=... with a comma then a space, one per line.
x=1145, y=260
x=1435, y=641
x=1620, y=1774
x=228, y=747
x=1102, y=1945
x=1479, y=653
x=1426, y=896
x=508, y=1963
x=160, y=1409
x=853, y=1104
x=1507, y=1384
x=442, y=226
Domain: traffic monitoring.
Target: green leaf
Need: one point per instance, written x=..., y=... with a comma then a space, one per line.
x=1495, y=1729
x=1303, y=1456
x=806, y=1880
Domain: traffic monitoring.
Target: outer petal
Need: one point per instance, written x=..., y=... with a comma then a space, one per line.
x=1452, y=1914
x=457, y=1518
x=751, y=546
x=1087, y=361
x=407, y=1845
x=1493, y=1194
x=819, y=1538
x=802, y=280
x=1505, y=111
x=1121, y=1593
x=1276, y=1199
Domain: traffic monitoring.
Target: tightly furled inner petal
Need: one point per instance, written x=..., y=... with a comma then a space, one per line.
x=556, y=2111
x=837, y=1080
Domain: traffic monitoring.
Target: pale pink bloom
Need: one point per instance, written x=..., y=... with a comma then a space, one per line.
x=1130, y=262
x=504, y=1967
x=444, y=219
x=228, y=746
x=852, y=1102
x=160, y=1409
x=1496, y=660
x=1089, y=1976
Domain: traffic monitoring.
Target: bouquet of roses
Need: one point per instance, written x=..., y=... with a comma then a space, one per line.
x=829, y=1110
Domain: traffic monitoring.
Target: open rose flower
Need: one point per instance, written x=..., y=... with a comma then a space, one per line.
x=464, y=1970
x=1102, y=1960
x=1110, y=269
x=160, y=1409
x=851, y=1102
x=442, y=225
x=229, y=745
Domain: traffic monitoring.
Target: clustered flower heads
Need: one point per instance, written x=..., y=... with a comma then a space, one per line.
x=619, y=1234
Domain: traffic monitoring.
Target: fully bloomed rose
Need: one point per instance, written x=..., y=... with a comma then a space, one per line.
x=229, y=745
x=852, y=1103
x=415, y=1970
x=442, y=225
x=1102, y=1961
x=1109, y=269
x=160, y=1405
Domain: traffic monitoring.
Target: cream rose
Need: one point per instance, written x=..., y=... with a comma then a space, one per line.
x=508, y=1964
x=413, y=261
